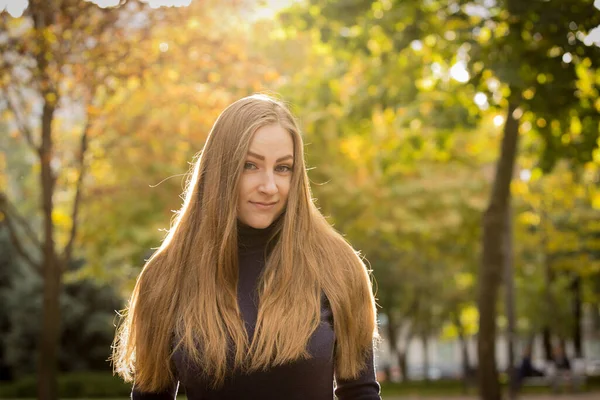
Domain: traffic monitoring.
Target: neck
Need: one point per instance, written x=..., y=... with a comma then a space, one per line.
x=253, y=239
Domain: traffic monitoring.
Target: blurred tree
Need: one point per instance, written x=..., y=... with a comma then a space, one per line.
x=557, y=216
x=385, y=130
x=87, y=311
x=510, y=50
x=391, y=207
x=6, y=264
x=59, y=59
x=152, y=135
x=519, y=46
x=383, y=147
x=85, y=87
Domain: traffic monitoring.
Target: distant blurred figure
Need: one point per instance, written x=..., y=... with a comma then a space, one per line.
x=562, y=369
x=526, y=369
x=561, y=361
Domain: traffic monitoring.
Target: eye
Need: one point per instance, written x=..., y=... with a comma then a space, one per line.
x=283, y=168
x=249, y=165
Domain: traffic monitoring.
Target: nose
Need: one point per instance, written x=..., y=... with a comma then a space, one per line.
x=268, y=185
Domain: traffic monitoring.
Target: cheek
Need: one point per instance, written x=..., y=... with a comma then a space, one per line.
x=284, y=189
x=244, y=189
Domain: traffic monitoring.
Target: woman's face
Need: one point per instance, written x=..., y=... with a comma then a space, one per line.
x=266, y=177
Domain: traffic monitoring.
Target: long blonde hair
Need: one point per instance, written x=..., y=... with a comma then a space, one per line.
x=188, y=288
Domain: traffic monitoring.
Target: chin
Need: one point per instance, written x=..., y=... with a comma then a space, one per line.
x=260, y=223
x=260, y=226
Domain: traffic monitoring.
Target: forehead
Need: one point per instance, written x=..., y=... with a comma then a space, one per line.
x=271, y=139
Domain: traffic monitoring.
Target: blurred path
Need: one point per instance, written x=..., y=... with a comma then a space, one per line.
x=566, y=396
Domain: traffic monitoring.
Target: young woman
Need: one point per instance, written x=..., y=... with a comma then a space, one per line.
x=252, y=294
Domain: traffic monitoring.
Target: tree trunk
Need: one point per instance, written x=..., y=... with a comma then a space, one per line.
x=44, y=16
x=494, y=225
x=425, y=341
x=404, y=376
x=464, y=349
x=577, y=340
x=392, y=332
x=51, y=269
x=547, y=340
x=7, y=267
x=595, y=314
x=509, y=287
x=402, y=358
x=50, y=333
x=549, y=280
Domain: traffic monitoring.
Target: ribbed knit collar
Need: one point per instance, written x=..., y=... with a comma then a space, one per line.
x=252, y=239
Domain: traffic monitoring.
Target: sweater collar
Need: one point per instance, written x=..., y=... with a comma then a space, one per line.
x=253, y=239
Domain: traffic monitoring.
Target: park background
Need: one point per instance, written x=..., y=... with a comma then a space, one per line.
x=454, y=143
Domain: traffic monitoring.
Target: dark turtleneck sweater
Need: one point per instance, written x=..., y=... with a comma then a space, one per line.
x=311, y=379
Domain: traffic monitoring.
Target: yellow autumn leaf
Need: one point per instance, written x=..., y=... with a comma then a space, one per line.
x=449, y=332
x=61, y=219
x=464, y=280
x=469, y=318
x=596, y=200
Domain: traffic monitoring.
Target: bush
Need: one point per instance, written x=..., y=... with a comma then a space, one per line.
x=75, y=385
x=24, y=387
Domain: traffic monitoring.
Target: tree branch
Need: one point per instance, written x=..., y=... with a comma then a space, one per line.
x=12, y=231
x=23, y=128
x=9, y=209
x=68, y=251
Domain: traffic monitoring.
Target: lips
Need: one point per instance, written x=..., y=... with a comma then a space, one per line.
x=263, y=206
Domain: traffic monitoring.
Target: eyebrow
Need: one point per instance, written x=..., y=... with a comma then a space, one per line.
x=263, y=157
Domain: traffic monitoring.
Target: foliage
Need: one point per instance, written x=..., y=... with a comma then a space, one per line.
x=87, y=332
x=556, y=224
x=401, y=104
x=73, y=385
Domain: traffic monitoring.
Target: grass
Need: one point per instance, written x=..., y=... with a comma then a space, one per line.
x=90, y=386
x=455, y=388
